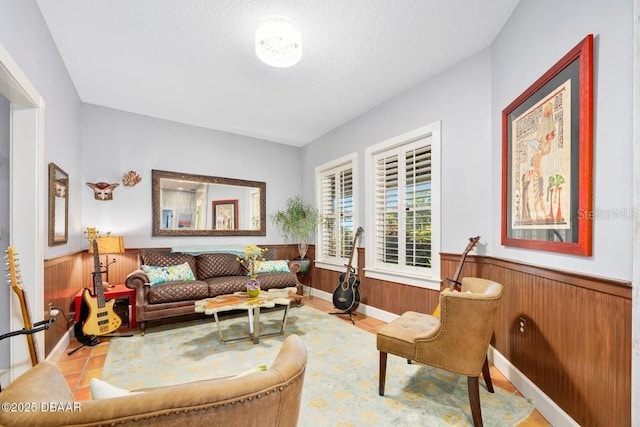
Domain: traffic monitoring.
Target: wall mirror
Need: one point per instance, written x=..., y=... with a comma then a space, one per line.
x=200, y=205
x=58, y=205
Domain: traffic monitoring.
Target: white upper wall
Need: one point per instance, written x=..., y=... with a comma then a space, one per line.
x=460, y=98
x=469, y=97
x=26, y=37
x=116, y=142
x=530, y=44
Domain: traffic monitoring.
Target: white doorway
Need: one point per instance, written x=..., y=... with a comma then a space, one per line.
x=26, y=199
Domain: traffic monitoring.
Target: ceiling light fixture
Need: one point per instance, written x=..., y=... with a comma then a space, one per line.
x=278, y=42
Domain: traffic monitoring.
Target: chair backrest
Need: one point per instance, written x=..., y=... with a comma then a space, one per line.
x=466, y=325
x=270, y=397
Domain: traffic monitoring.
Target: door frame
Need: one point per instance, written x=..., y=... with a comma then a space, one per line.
x=26, y=199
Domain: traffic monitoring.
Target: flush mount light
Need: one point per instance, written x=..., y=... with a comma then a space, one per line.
x=278, y=42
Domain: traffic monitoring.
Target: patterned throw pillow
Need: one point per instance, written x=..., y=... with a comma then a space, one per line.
x=172, y=273
x=279, y=266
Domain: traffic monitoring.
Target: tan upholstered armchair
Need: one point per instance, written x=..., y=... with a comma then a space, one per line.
x=41, y=397
x=457, y=341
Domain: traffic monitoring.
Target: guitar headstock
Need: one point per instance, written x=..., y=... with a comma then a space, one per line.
x=473, y=241
x=359, y=232
x=92, y=233
x=13, y=269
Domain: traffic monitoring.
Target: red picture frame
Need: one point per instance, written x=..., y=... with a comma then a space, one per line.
x=547, y=159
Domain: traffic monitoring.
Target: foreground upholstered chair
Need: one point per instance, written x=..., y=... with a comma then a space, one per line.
x=270, y=397
x=457, y=341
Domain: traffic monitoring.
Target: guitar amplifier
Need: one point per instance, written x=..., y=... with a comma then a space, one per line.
x=121, y=308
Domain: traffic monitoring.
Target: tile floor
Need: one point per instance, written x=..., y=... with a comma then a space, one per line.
x=87, y=362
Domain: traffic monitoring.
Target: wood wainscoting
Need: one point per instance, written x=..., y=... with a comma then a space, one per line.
x=576, y=344
x=65, y=276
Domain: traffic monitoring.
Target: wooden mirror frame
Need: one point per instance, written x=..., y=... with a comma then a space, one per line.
x=56, y=177
x=157, y=175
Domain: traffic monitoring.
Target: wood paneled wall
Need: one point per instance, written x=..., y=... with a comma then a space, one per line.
x=577, y=342
x=65, y=276
x=62, y=280
x=576, y=346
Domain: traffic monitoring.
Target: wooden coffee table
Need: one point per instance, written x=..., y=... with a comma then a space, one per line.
x=242, y=301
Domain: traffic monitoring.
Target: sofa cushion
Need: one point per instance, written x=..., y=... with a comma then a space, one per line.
x=166, y=259
x=230, y=284
x=277, y=280
x=278, y=266
x=172, y=273
x=226, y=285
x=216, y=265
x=177, y=291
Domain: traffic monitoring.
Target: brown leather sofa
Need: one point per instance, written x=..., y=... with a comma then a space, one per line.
x=41, y=397
x=216, y=274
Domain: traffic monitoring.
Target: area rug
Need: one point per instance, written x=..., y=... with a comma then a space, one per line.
x=341, y=380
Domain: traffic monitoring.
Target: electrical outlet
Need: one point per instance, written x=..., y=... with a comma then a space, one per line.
x=522, y=325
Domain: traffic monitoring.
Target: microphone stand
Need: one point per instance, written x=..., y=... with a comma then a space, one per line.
x=37, y=327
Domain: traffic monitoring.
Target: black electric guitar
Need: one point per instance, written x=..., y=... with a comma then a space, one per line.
x=454, y=283
x=96, y=316
x=346, y=297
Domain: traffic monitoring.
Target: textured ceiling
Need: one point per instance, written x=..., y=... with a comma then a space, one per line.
x=193, y=61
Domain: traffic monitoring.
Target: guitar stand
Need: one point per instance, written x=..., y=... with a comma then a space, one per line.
x=349, y=312
x=93, y=341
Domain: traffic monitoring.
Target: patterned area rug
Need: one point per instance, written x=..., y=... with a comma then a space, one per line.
x=341, y=380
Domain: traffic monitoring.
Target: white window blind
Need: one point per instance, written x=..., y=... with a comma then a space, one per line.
x=404, y=220
x=335, y=187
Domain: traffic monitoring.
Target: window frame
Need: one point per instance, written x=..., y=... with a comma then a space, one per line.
x=423, y=277
x=321, y=261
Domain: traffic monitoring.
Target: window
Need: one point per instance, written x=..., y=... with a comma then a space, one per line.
x=336, y=198
x=403, y=205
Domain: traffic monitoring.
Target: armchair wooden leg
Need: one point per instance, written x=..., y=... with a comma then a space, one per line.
x=383, y=373
x=474, y=400
x=486, y=375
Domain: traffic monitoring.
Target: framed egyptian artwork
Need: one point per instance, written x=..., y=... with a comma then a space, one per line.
x=547, y=159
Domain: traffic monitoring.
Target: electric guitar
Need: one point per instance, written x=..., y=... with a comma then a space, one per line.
x=346, y=297
x=454, y=284
x=14, y=275
x=100, y=318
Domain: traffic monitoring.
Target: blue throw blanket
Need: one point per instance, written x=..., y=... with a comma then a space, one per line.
x=195, y=250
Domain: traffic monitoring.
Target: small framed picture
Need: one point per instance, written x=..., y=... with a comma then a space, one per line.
x=225, y=214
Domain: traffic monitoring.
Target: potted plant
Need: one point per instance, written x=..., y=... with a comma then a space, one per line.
x=298, y=221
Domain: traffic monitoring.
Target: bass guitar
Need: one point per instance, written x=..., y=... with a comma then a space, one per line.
x=454, y=284
x=96, y=316
x=346, y=297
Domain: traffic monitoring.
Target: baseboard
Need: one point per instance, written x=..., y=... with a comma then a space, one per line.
x=61, y=347
x=547, y=407
x=376, y=313
x=543, y=403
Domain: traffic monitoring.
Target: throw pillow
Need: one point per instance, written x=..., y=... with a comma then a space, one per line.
x=279, y=266
x=172, y=273
x=103, y=390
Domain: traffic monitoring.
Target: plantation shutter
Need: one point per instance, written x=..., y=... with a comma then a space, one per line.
x=328, y=209
x=418, y=207
x=403, y=206
x=386, y=218
x=345, y=211
x=338, y=211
